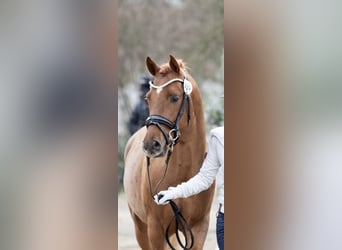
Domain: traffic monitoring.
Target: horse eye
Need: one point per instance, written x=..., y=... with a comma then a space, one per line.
x=174, y=98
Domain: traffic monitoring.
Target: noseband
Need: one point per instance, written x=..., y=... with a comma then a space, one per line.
x=173, y=136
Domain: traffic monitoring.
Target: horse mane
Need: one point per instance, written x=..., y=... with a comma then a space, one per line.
x=166, y=69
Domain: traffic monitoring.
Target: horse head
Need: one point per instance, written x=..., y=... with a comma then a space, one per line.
x=169, y=105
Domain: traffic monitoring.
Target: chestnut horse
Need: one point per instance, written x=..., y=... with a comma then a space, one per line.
x=173, y=96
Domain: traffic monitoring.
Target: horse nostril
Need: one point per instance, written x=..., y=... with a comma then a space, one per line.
x=156, y=145
x=145, y=146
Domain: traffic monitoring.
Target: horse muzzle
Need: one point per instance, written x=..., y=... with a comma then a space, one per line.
x=154, y=148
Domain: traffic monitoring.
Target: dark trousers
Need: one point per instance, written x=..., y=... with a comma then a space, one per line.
x=220, y=230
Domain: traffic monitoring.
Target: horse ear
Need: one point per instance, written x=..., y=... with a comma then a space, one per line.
x=174, y=64
x=152, y=67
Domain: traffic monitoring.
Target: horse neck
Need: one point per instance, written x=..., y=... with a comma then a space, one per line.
x=190, y=151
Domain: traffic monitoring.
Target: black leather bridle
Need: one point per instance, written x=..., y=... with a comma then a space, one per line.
x=172, y=138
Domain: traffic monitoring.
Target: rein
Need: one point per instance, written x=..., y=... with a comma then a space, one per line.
x=172, y=139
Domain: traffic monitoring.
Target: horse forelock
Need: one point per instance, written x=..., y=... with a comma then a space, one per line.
x=166, y=68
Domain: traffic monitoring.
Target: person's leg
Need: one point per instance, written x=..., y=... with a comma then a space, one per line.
x=220, y=230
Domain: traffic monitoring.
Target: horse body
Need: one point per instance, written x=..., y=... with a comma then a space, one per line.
x=149, y=218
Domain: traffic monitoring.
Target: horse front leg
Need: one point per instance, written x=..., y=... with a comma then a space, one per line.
x=200, y=231
x=155, y=234
x=140, y=231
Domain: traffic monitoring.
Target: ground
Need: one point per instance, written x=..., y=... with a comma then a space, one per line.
x=126, y=235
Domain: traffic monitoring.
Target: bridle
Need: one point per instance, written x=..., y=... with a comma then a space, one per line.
x=172, y=138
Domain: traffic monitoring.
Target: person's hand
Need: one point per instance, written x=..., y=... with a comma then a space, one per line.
x=164, y=197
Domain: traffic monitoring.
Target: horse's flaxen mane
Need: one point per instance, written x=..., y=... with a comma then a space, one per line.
x=166, y=69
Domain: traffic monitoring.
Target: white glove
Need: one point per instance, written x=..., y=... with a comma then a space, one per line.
x=164, y=197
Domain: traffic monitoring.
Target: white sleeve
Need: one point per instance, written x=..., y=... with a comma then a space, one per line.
x=205, y=177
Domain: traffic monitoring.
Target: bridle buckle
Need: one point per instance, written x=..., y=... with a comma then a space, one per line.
x=174, y=135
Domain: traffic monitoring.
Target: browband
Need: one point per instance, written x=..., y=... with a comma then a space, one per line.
x=160, y=88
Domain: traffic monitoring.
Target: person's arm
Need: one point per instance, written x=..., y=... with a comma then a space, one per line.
x=200, y=182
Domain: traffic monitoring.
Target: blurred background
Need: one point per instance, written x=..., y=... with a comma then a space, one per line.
x=314, y=37
x=283, y=86
x=61, y=93
x=58, y=103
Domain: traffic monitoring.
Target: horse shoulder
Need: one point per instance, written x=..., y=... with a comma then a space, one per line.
x=137, y=137
x=134, y=156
